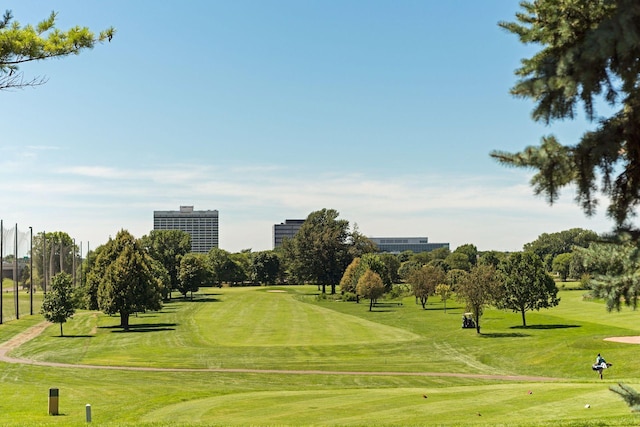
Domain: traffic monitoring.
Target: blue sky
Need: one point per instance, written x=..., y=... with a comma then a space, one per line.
x=266, y=110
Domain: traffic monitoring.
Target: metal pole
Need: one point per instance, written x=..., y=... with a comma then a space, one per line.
x=1, y=267
x=73, y=262
x=15, y=274
x=44, y=262
x=31, y=270
x=81, y=267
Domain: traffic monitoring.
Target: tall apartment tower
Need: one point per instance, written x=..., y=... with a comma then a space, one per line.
x=201, y=225
x=287, y=229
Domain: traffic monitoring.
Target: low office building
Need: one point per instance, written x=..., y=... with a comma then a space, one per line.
x=397, y=245
x=201, y=225
x=286, y=229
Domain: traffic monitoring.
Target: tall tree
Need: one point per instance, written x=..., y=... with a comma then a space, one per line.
x=129, y=285
x=359, y=244
x=457, y=261
x=221, y=266
x=265, y=267
x=588, y=53
x=320, y=250
x=470, y=250
x=492, y=257
x=424, y=281
x=407, y=267
x=479, y=289
x=392, y=263
x=549, y=245
x=168, y=247
x=526, y=285
x=21, y=44
x=58, y=304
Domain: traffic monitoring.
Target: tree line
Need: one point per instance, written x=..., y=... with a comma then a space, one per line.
x=128, y=275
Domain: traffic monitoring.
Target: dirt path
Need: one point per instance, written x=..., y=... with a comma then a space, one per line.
x=36, y=330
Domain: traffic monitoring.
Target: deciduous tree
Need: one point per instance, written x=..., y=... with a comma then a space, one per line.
x=479, y=289
x=445, y=293
x=129, y=285
x=549, y=245
x=168, y=247
x=21, y=44
x=58, y=303
x=193, y=273
x=561, y=265
x=349, y=280
x=370, y=286
x=424, y=281
x=320, y=250
x=221, y=266
x=265, y=267
x=526, y=285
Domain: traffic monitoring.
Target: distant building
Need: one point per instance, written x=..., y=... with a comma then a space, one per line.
x=287, y=229
x=397, y=245
x=201, y=225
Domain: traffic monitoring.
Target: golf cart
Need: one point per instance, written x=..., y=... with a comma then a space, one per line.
x=467, y=321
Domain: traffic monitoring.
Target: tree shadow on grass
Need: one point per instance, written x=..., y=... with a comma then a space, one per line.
x=196, y=299
x=504, y=335
x=143, y=327
x=75, y=336
x=555, y=326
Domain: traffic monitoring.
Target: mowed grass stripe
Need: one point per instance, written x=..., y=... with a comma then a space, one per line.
x=547, y=403
x=258, y=318
x=243, y=327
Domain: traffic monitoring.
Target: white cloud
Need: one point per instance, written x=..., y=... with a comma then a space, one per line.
x=96, y=201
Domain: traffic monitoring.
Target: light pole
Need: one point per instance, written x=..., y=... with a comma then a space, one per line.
x=73, y=263
x=44, y=262
x=31, y=270
x=1, y=266
x=15, y=273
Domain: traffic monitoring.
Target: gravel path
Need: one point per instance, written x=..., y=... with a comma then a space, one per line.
x=36, y=330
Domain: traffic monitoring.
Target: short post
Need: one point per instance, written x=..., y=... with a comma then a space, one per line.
x=53, y=401
x=88, y=411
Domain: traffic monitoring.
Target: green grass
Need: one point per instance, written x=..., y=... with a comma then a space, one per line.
x=24, y=302
x=251, y=328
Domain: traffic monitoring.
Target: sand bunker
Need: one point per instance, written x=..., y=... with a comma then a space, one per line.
x=626, y=340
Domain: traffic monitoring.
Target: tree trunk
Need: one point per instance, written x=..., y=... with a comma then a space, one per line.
x=423, y=301
x=324, y=289
x=333, y=289
x=524, y=320
x=371, y=304
x=61, y=334
x=476, y=314
x=124, y=320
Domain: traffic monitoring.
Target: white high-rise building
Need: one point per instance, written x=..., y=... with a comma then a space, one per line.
x=201, y=225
